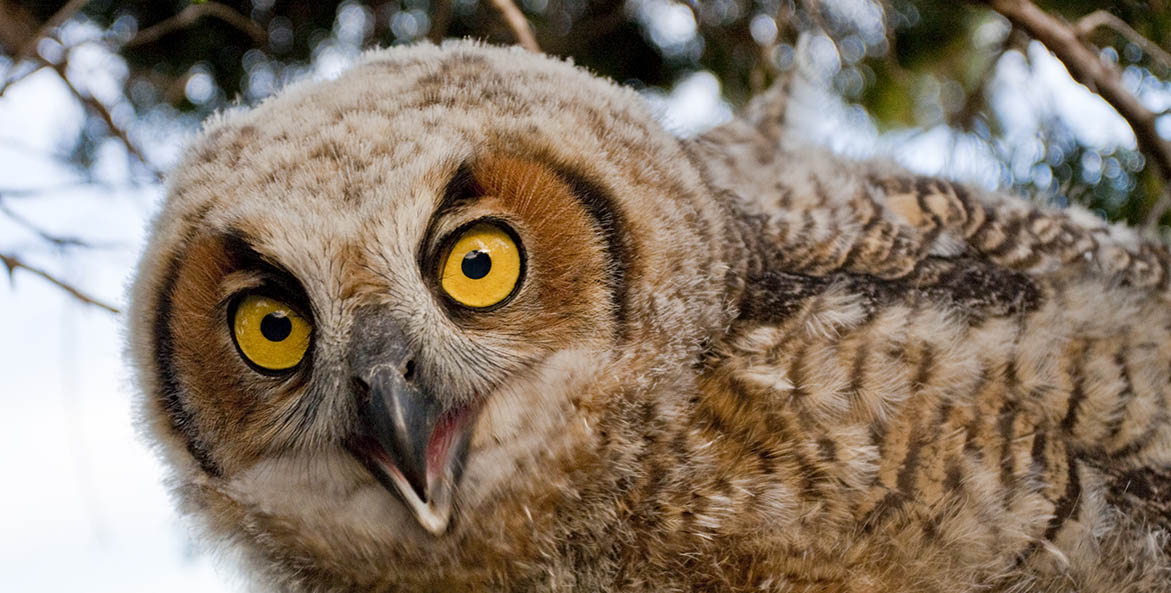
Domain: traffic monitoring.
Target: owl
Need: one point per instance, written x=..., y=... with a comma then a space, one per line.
x=468, y=319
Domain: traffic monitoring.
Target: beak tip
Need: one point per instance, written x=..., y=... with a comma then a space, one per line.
x=434, y=514
x=414, y=447
x=433, y=517
x=434, y=520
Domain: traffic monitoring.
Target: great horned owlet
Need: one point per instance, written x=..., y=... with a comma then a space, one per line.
x=468, y=319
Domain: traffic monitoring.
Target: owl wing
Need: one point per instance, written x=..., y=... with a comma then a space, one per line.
x=828, y=214
x=1104, y=381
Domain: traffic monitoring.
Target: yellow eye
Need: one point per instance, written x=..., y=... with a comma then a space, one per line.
x=482, y=268
x=269, y=333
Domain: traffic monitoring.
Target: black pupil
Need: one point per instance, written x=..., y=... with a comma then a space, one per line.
x=276, y=327
x=476, y=264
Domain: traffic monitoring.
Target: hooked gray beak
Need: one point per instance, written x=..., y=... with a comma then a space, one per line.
x=411, y=444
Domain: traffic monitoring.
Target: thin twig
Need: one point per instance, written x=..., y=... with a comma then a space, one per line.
x=190, y=15
x=107, y=117
x=18, y=193
x=13, y=263
x=1158, y=210
x=57, y=240
x=17, y=145
x=519, y=25
x=1086, y=25
x=1085, y=67
x=54, y=21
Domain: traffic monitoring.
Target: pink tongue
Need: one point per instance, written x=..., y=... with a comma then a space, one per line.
x=439, y=447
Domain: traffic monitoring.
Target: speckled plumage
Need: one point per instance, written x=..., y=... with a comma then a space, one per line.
x=733, y=365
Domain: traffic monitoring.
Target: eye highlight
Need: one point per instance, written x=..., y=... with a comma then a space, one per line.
x=483, y=266
x=269, y=333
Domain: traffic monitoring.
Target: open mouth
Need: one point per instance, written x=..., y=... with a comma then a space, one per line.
x=423, y=477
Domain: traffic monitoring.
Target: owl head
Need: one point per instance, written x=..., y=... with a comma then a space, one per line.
x=387, y=326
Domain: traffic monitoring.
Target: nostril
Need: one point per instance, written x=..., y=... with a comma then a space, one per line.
x=409, y=370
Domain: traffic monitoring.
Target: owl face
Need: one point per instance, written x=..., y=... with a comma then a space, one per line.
x=415, y=330
x=379, y=316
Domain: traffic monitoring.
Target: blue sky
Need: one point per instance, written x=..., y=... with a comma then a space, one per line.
x=84, y=505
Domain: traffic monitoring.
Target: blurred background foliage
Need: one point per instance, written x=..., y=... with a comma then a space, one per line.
x=903, y=68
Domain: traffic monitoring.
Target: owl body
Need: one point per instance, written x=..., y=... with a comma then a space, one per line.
x=716, y=364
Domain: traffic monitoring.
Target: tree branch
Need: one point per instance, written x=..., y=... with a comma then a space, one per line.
x=1086, y=26
x=1158, y=210
x=190, y=15
x=17, y=32
x=106, y=116
x=1086, y=67
x=17, y=193
x=57, y=240
x=62, y=15
x=16, y=26
x=13, y=263
x=519, y=25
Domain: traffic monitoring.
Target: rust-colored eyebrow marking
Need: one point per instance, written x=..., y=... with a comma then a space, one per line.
x=594, y=199
x=603, y=210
